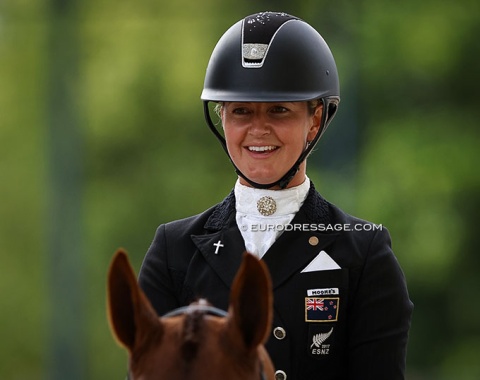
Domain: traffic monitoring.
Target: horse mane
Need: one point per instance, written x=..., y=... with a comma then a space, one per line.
x=192, y=335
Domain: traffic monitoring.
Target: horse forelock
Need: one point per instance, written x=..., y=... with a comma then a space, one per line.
x=192, y=335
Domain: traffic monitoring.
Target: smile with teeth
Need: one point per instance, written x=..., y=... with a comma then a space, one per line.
x=267, y=148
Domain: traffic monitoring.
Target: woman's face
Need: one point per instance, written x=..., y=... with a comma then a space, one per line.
x=265, y=139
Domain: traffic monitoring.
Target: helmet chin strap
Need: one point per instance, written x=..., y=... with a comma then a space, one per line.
x=327, y=116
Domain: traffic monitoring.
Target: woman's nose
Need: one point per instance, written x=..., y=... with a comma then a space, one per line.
x=259, y=126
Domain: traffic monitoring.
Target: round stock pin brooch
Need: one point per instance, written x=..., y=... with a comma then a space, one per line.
x=266, y=206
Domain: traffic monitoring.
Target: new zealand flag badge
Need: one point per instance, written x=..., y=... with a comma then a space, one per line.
x=321, y=309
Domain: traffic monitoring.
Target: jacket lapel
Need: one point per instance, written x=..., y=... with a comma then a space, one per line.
x=223, y=250
x=294, y=250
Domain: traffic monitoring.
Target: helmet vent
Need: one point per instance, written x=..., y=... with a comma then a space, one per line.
x=258, y=32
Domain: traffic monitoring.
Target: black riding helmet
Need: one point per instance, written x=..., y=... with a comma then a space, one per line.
x=272, y=57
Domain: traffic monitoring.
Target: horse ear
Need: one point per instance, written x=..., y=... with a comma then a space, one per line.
x=130, y=314
x=251, y=302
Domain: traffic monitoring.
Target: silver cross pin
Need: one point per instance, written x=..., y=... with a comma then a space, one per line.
x=218, y=245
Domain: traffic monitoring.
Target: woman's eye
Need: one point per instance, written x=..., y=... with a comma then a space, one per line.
x=240, y=111
x=279, y=109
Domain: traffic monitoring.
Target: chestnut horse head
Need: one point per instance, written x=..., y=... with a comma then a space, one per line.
x=197, y=341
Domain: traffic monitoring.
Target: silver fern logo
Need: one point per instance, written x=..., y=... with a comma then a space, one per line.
x=318, y=339
x=318, y=347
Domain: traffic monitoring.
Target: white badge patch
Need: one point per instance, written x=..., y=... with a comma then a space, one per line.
x=322, y=292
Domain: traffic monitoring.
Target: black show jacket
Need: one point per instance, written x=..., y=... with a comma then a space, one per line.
x=345, y=323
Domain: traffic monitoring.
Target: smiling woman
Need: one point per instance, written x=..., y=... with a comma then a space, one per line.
x=265, y=139
x=341, y=306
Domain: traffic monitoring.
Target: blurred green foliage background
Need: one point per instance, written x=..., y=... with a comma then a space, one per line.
x=103, y=139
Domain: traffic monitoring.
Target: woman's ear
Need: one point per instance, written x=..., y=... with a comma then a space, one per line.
x=316, y=120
